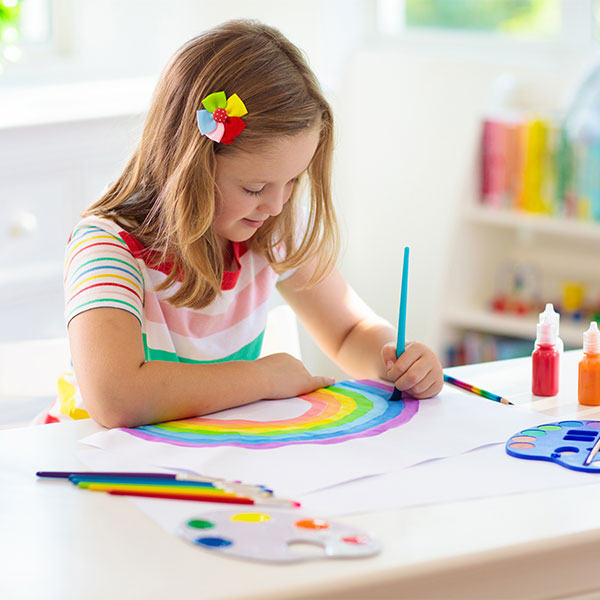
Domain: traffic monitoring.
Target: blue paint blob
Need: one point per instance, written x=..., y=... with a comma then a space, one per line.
x=213, y=542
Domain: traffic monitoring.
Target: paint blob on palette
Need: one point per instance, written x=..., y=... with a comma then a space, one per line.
x=276, y=536
x=567, y=443
x=344, y=411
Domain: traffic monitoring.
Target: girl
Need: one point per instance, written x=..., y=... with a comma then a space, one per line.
x=168, y=274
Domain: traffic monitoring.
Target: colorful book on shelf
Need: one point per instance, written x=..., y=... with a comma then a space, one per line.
x=533, y=165
x=535, y=146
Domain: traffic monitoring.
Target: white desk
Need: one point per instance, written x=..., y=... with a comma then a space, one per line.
x=58, y=542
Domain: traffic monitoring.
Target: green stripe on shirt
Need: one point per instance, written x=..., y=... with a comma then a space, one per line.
x=131, y=308
x=250, y=351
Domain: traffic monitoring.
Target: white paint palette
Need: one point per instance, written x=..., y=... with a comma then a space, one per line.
x=275, y=536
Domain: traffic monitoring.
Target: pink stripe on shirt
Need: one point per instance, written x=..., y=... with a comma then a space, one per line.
x=187, y=322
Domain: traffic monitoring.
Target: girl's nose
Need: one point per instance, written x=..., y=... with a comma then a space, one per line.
x=273, y=203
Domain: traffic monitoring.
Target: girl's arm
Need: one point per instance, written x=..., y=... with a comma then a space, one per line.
x=121, y=389
x=359, y=341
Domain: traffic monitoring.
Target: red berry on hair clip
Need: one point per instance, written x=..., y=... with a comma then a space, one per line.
x=221, y=120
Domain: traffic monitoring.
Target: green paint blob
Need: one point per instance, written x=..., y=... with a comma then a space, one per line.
x=200, y=524
x=549, y=427
x=533, y=432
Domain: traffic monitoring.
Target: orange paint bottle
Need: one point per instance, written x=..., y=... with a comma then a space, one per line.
x=589, y=368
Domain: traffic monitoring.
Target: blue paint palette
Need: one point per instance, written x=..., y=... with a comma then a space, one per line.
x=275, y=536
x=567, y=443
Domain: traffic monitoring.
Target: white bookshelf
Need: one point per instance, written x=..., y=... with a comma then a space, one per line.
x=527, y=222
x=487, y=321
x=556, y=249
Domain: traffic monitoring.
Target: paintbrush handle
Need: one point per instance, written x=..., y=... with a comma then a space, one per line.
x=593, y=452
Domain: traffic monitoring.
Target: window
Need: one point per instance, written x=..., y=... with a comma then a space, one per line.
x=23, y=24
x=574, y=22
x=530, y=17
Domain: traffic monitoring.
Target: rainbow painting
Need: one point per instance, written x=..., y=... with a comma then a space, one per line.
x=345, y=411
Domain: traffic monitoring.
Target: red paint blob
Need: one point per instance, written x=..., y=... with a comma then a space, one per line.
x=356, y=539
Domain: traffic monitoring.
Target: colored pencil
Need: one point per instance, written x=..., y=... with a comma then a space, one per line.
x=67, y=474
x=200, y=498
x=141, y=475
x=170, y=486
x=401, y=335
x=475, y=390
x=156, y=488
x=226, y=486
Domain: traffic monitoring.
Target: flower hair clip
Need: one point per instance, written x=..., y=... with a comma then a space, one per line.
x=221, y=120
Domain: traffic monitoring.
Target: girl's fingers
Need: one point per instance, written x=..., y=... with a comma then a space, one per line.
x=432, y=390
x=388, y=354
x=414, y=375
x=402, y=364
x=321, y=382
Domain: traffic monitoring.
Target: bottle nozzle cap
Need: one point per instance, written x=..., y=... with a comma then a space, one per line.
x=551, y=315
x=591, y=339
x=546, y=332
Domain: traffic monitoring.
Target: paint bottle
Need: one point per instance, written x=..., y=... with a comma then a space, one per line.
x=554, y=318
x=589, y=368
x=545, y=360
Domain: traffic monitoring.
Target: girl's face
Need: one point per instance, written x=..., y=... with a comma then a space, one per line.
x=253, y=186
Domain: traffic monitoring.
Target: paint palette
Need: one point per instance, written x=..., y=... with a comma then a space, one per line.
x=566, y=443
x=275, y=536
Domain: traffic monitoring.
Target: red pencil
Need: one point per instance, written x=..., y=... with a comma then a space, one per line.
x=206, y=498
x=175, y=496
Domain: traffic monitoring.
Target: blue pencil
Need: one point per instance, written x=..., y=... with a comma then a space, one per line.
x=401, y=336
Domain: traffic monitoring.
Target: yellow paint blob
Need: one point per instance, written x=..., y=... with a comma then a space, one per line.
x=251, y=517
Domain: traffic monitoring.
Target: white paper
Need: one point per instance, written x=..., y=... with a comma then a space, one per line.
x=481, y=473
x=447, y=425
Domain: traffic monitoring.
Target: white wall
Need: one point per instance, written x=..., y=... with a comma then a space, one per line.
x=115, y=39
x=408, y=134
x=407, y=122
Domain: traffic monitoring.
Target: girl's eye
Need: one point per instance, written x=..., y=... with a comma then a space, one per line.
x=253, y=192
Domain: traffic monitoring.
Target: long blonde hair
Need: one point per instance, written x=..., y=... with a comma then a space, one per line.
x=166, y=194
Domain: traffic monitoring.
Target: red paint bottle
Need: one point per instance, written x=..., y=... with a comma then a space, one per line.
x=545, y=360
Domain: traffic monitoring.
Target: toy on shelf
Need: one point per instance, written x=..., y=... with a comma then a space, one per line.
x=572, y=300
x=517, y=289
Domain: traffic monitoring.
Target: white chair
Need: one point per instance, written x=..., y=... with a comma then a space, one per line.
x=29, y=371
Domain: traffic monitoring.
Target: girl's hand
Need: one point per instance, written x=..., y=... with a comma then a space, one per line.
x=287, y=377
x=417, y=372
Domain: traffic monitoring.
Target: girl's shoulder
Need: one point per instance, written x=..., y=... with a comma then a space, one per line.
x=94, y=228
x=93, y=222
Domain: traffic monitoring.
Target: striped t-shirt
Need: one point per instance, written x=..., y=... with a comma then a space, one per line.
x=105, y=266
